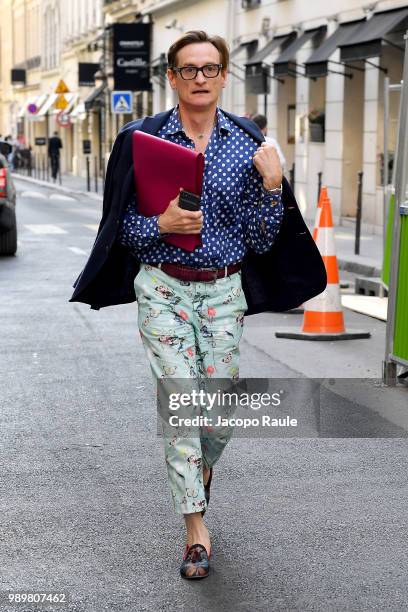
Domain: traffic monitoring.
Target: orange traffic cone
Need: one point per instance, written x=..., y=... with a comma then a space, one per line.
x=323, y=315
x=323, y=195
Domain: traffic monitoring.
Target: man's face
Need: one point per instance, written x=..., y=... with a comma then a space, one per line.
x=200, y=92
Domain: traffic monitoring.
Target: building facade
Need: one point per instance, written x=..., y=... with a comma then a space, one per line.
x=327, y=114
x=49, y=40
x=316, y=70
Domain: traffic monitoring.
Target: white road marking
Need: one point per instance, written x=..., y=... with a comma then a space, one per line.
x=32, y=194
x=77, y=250
x=92, y=226
x=41, y=228
x=83, y=210
x=62, y=197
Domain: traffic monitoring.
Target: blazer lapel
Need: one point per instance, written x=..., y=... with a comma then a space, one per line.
x=247, y=125
x=151, y=125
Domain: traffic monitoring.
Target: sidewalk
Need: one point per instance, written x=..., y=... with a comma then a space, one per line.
x=368, y=263
x=69, y=184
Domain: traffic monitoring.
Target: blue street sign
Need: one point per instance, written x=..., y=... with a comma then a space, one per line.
x=122, y=101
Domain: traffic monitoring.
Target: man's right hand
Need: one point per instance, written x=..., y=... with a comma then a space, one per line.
x=176, y=220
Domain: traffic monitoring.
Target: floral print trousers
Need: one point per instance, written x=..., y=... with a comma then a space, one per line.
x=190, y=330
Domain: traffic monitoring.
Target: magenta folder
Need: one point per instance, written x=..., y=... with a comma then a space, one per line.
x=161, y=168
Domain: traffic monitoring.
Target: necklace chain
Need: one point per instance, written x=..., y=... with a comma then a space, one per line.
x=201, y=136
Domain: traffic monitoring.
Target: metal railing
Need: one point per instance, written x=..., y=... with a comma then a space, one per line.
x=39, y=166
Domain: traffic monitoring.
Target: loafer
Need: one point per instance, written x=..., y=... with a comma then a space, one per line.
x=207, y=491
x=195, y=563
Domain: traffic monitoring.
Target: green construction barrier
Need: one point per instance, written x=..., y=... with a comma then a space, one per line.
x=401, y=309
x=385, y=276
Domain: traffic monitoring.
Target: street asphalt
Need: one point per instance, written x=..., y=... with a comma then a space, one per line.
x=297, y=524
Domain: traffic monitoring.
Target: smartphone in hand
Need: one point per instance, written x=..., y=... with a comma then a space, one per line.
x=189, y=201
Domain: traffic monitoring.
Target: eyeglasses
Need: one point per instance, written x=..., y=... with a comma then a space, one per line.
x=188, y=73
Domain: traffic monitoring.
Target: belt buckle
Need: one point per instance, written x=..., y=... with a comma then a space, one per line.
x=214, y=270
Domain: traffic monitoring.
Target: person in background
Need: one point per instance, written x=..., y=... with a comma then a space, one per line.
x=262, y=122
x=54, y=146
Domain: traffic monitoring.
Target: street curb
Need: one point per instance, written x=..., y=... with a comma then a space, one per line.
x=56, y=187
x=359, y=268
x=344, y=264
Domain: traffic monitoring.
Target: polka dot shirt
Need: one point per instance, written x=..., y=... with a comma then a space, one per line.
x=237, y=212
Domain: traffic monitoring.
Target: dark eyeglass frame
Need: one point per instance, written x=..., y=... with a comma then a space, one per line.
x=197, y=70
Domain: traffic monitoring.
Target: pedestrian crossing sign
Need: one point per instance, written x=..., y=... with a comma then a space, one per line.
x=122, y=101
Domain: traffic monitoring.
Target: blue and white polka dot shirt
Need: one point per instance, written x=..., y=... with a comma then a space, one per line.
x=237, y=212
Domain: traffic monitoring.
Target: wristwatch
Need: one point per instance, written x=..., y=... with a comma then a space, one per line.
x=274, y=191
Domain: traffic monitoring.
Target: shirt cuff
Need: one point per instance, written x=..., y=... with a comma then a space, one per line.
x=272, y=214
x=151, y=227
x=270, y=200
x=274, y=195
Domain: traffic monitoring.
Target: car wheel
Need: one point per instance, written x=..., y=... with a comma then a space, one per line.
x=8, y=240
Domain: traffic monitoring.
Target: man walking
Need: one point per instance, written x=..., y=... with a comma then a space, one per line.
x=191, y=305
x=54, y=146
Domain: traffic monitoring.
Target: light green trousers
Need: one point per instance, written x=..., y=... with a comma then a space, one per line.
x=190, y=330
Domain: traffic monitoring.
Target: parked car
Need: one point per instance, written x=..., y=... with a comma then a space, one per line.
x=8, y=222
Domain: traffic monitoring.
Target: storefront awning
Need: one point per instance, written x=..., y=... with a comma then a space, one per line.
x=24, y=108
x=78, y=113
x=249, y=46
x=316, y=65
x=71, y=98
x=285, y=64
x=369, y=37
x=277, y=41
x=47, y=105
x=95, y=96
x=37, y=100
x=159, y=65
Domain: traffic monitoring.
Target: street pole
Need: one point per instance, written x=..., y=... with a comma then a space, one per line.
x=47, y=133
x=96, y=173
x=358, y=214
x=385, y=156
x=88, y=174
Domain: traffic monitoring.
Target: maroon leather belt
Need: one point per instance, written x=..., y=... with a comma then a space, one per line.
x=203, y=275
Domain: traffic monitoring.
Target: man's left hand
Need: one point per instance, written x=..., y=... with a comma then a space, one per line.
x=266, y=161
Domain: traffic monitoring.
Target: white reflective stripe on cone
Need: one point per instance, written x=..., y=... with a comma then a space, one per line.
x=328, y=301
x=325, y=241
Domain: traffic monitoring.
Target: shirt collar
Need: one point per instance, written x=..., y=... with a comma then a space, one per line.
x=173, y=125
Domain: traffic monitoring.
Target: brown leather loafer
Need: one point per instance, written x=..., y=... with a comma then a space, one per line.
x=195, y=563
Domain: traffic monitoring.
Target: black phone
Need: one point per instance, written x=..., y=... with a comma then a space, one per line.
x=189, y=201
